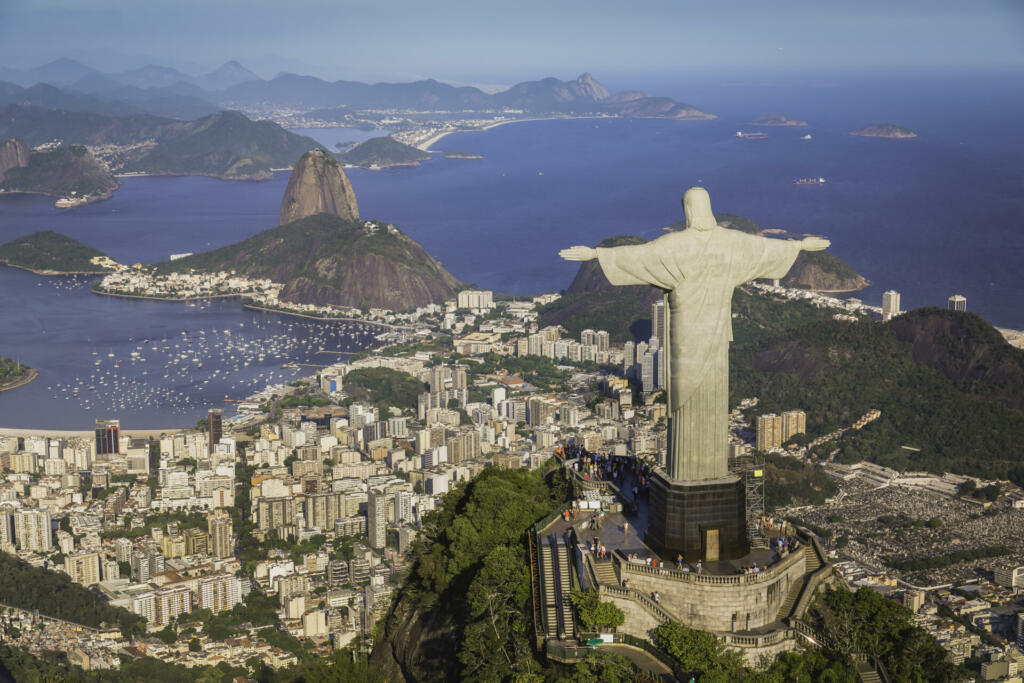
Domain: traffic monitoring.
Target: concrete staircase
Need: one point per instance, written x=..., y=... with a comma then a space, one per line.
x=604, y=571
x=866, y=671
x=811, y=564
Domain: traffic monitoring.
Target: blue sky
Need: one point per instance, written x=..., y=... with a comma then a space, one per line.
x=501, y=42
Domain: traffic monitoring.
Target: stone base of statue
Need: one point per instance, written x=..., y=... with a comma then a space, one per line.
x=703, y=520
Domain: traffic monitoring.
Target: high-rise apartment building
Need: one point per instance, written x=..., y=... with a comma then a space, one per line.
x=108, y=437
x=32, y=530
x=957, y=302
x=219, y=593
x=376, y=519
x=793, y=422
x=83, y=567
x=769, y=431
x=215, y=418
x=890, y=304
x=171, y=602
x=222, y=542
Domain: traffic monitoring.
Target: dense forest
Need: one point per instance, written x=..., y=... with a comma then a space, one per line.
x=946, y=383
x=55, y=595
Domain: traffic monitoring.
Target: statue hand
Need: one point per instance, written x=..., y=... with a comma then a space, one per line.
x=578, y=254
x=814, y=244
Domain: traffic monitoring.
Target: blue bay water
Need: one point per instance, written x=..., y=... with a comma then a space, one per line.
x=928, y=217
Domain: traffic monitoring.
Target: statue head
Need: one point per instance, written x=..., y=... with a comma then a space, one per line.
x=697, y=207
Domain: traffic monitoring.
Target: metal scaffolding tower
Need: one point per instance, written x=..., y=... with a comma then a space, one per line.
x=751, y=469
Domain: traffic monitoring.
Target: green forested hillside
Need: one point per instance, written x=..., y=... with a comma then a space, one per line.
x=383, y=151
x=50, y=251
x=324, y=259
x=61, y=172
x=954, y=396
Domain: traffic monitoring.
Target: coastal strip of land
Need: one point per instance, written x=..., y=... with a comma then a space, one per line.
x=21, y=381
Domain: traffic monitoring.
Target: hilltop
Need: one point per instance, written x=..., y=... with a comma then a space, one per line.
x=885, y=130
x=382, y=152
x=325, y=259
x=63, y=172
x=49, y=253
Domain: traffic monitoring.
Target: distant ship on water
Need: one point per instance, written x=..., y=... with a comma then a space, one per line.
x=809, y=181
x=806, y=137
x=740, y=135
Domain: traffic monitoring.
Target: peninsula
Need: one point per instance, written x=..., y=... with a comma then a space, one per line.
x=13, y=374
x=885, y=130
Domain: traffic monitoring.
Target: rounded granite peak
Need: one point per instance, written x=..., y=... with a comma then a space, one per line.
x=318, y=184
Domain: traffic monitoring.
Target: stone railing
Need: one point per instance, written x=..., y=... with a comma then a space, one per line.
x=625, y=567
x=636, y=596
x=815, y=580
x=758, y=639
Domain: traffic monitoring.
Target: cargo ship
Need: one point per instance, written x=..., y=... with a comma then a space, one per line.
x=740, y=135
x=809, y=181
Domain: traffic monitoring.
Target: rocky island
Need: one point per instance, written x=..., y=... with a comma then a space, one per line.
x=51, y=253
x=383, y=152
x=885, y=130
x=777, y=120
x=68, y=172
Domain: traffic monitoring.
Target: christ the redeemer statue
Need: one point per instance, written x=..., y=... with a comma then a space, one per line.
x=698, y=268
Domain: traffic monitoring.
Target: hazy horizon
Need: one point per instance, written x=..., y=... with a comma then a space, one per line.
x=459, y=42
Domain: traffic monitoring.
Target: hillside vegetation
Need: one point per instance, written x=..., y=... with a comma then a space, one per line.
x=64, y=171
x=325, y=259
x=50, y=252
x=383, y=151
x=946, y=383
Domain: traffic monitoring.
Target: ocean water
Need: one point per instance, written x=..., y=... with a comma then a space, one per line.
x=929, y=217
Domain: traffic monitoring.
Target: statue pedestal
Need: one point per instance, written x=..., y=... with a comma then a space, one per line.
x=703, y=520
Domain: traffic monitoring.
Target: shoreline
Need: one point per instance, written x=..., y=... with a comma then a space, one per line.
x=31, y=375
x=55, y=273
x=88, y=433
x=427, y=144
x=254, y=307
x=164, y=298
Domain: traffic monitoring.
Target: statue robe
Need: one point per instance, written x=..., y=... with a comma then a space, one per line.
x=698, y=271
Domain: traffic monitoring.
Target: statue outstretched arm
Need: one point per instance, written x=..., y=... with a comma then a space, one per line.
x=578, y=254
x=814, y=244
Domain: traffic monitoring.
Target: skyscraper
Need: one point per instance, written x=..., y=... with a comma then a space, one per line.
x=108, y=437
x=890, y=304
x=957, y=302
x=216, y=419
x=376, y=519
x=658, y=319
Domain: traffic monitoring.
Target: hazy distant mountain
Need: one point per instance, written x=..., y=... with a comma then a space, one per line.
x=36, y=125
x=550, y=95
x=49, y=97
x=308, y=91
x=228, y=74
x=60, y=72
x=152, y=76
x=225, y=144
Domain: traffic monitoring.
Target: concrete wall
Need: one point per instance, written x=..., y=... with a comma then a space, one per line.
x=702, y=603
